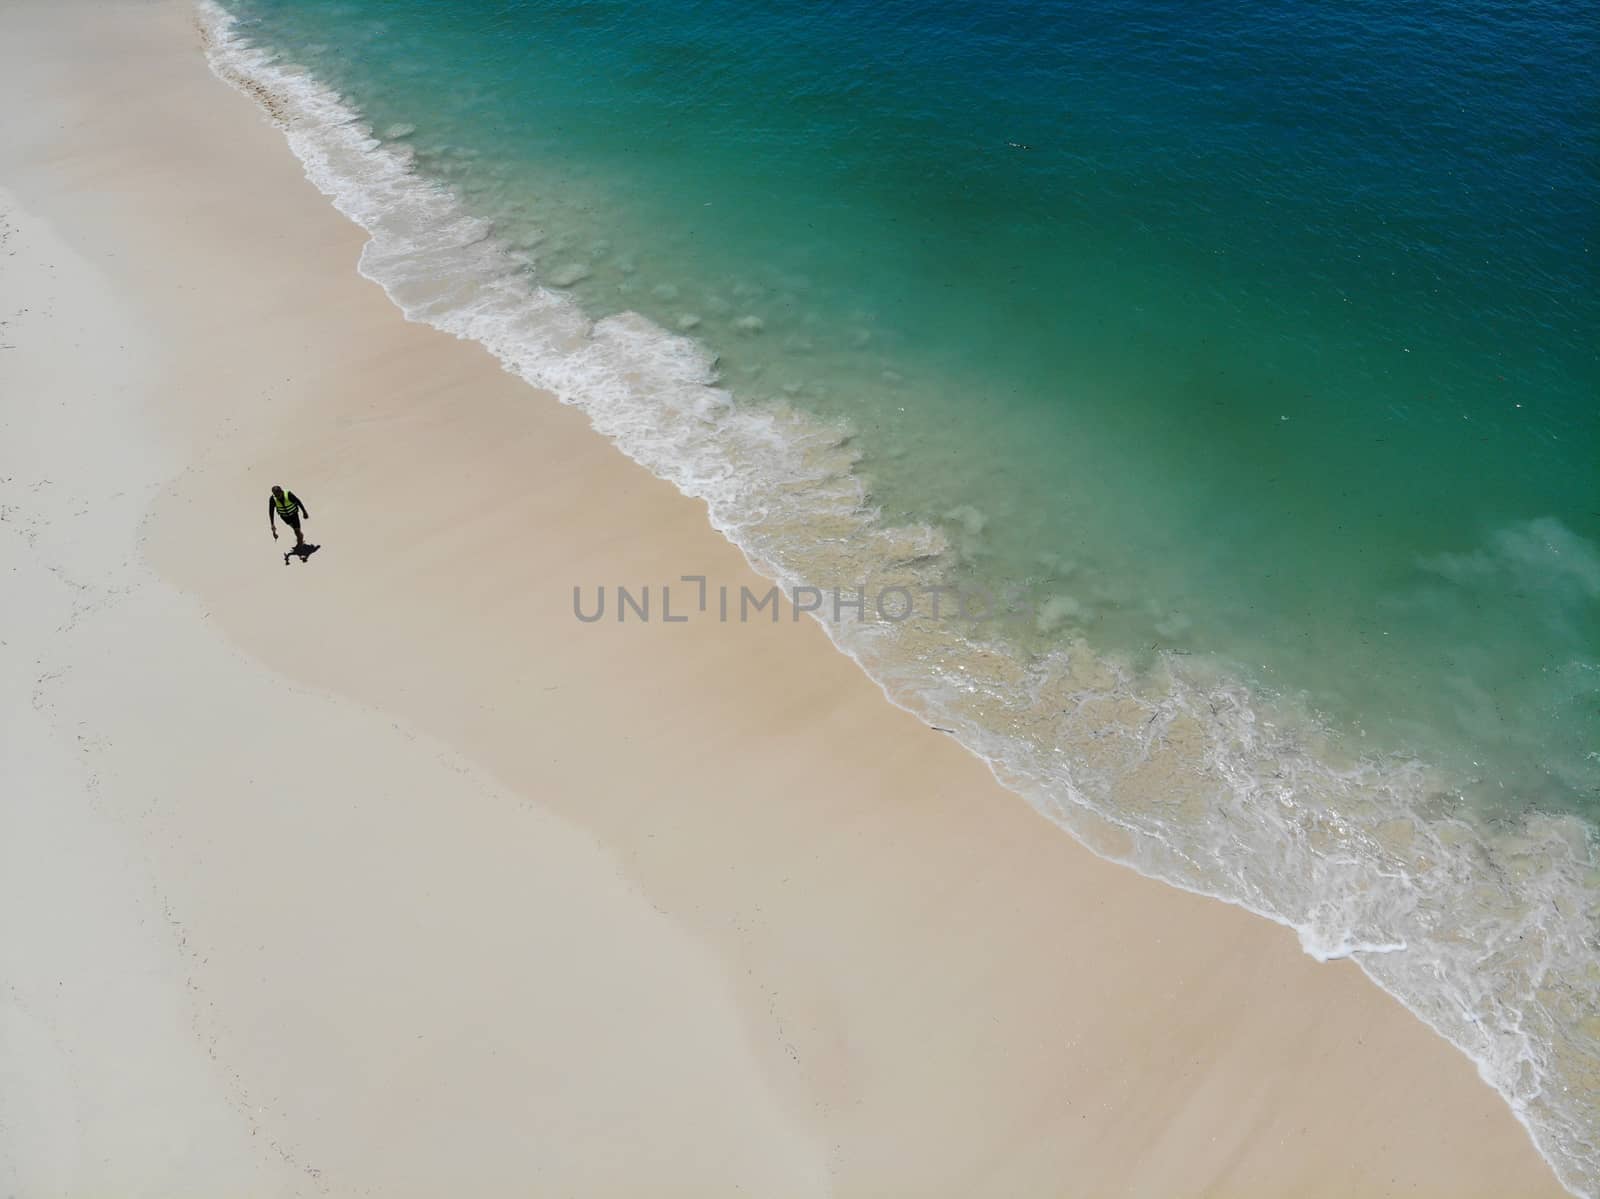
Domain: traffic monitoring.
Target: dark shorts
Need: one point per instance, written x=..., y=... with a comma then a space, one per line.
x=292, y=520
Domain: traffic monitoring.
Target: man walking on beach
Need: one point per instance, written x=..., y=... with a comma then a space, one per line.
x=287, y=506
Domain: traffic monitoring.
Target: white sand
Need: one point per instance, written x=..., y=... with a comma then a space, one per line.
x=235, y=835
x=383, y=875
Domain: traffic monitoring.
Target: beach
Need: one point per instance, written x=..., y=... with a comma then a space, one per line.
x=384, y=873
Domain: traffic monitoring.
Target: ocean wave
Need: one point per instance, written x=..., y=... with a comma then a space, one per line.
x=1490, y=934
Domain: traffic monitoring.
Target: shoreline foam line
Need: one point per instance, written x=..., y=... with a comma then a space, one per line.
x=1178, y=772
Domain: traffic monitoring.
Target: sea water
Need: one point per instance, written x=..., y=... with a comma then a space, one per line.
x=1257, y=349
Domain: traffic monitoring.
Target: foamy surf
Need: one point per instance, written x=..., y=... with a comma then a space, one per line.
x=1179, y=770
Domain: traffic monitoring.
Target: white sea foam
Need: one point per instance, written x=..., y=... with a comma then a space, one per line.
x=1489, y=936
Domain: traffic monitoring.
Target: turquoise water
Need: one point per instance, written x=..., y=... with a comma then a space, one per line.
x=1279, y=311
x=1258, y=345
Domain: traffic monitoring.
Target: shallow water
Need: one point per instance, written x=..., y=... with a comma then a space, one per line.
x=1259, y=348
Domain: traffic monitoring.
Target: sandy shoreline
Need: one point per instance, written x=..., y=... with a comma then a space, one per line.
x=385, y=873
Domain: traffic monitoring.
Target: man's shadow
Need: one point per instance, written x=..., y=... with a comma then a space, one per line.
x=303, y=552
